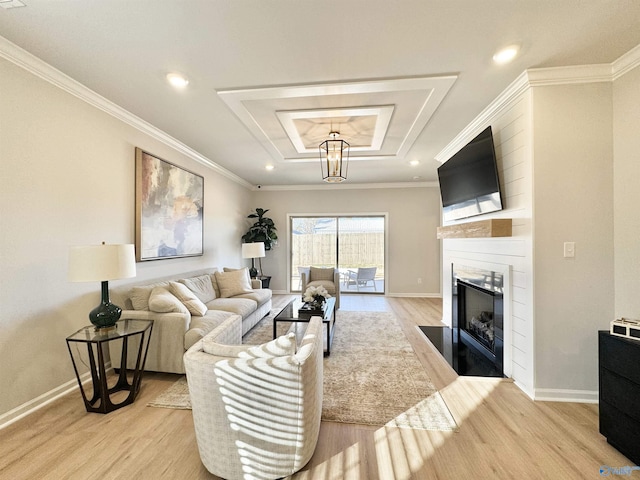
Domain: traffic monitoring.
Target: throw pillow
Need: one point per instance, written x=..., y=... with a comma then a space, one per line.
x=227, y=269
x=188, y=298
x=233, y=283
x=162, y=300
x=280, y=347
x=140, y=297
x=201, y=286
x=319, y=274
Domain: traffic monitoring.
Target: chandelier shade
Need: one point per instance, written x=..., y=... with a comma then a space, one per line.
x=334, y=159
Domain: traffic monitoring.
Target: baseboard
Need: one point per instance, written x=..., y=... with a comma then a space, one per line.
x=37, y=403
x=45, y=399
x=561, y=395
x=414, y=295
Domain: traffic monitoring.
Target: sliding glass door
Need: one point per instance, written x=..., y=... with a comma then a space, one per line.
x=353, y=244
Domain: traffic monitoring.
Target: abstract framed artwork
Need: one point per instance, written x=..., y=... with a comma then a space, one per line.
x=169, y=210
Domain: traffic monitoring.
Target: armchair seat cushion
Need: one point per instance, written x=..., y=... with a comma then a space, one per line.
x=329, y=285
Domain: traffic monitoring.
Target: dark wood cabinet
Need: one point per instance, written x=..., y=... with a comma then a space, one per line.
x=619, y=372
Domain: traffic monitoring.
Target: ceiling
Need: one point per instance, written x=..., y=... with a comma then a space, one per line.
x=268, y=80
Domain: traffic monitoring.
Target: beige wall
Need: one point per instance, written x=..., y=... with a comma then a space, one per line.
x=573, y=202
x=626, y=168
x=414, y=214
x=67, y=178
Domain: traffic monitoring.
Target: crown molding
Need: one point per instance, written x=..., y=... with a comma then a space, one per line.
x=626, y=62
x=504, y=100
x=537, y=77
x=342, y=186
x=575, y=74
x=43, y=70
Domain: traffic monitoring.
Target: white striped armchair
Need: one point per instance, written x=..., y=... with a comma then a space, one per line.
x=256, y=409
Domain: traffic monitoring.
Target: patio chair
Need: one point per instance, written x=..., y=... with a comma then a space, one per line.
x=362, y=277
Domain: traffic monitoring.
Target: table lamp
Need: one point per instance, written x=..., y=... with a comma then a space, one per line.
x=101, y=263
x=253, y=250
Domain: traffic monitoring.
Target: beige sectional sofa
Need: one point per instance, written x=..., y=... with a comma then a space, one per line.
x=186, y=307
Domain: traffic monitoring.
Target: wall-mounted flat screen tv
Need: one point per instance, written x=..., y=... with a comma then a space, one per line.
x=469, y=183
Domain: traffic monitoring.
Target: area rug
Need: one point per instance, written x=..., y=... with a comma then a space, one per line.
x=372, y=377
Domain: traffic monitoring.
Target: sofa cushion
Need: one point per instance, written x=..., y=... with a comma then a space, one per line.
x=201, y=286
x=260, y=295
x=233, y=283
x=241, y=306
x=186, y=296
x=201, y=326
x=162, y=300
x=280, y=347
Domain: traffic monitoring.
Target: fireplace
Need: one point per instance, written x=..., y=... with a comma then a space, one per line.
x=478, y=314
x=474, y=345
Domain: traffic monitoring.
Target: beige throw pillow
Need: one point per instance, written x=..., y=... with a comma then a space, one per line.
x=140, y=297
x=280, y=347
x=162, y=300
x=201, y=286
x=233, y=283
x=246, y=269
x=188, y=298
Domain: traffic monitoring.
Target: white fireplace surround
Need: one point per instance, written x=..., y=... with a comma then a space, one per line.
x=507, y=296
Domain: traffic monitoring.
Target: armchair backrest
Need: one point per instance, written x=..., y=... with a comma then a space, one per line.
x=258, y=414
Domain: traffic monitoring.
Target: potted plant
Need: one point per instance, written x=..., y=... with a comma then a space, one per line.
x=263, y=230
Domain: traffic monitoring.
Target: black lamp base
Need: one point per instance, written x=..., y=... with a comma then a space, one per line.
x=106, y=314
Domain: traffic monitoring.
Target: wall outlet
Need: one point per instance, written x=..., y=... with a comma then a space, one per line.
x=419, y=281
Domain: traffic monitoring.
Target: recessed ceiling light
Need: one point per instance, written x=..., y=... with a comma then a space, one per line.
x=269, y=167
x=506, y=54
x=177, y=80
x=413, y=163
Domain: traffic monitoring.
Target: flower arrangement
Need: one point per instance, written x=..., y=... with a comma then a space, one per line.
x=315, y=296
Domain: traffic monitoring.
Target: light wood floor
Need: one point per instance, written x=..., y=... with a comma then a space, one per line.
x=503, y=434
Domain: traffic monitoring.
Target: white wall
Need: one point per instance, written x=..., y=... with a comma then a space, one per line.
x=67, y=178
x=573, y=202
x=414, y=214
x=512, y=139
x=579, y=185
x=626, y=168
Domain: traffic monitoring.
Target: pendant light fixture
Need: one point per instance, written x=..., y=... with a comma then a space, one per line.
x=334, y=159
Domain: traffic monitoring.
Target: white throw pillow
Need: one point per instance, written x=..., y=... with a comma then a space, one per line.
x=233, y=283
x=280, y=347
x=186, y=296
x=162, y=300
x=201, y=286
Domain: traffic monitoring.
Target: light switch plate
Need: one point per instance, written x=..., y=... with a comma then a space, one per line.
x=569, y=249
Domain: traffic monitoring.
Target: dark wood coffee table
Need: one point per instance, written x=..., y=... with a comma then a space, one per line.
x=290, y=314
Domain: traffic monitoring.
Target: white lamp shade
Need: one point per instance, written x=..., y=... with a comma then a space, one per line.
x=253, y=250
x=99, y=263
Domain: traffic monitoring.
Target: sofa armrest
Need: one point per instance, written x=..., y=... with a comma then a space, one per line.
x=166, y=345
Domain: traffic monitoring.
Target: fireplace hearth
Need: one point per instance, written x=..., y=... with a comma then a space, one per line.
x=474, y=345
